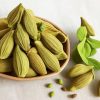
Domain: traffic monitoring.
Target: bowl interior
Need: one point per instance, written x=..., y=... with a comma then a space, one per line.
x=63, y=63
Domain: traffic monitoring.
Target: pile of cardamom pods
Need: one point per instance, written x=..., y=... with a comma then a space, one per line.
x=81, y=76
x=30, y=46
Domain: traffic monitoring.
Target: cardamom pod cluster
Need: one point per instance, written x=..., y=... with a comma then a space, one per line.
x=82, y=76
x=54, y=45
x=36, y=62
x=82, y=81
x=29, y=46
x=46, y=27
x=49, y=58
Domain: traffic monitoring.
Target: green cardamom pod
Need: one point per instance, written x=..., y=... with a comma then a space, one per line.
x=54, y=45
x=31, y=12
x=90, y=30
x=61, y=37
x=51, y=94
x=79, y=69
x=3, y=32
x=30, y=24
x=22, y=38
x=61, y=56
x=31, y=73
x=6, y=45
x=20, y=62
x=82, y=81
x=6, y=65
x=36, y=62
x=15, y=15
x=49, y=59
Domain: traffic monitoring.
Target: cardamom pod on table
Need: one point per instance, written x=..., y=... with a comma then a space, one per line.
x=82, y=81
x=79, y=69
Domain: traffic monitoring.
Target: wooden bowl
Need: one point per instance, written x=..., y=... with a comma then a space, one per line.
x=63, y=63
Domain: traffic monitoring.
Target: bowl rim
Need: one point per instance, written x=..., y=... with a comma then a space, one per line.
x=47, y=75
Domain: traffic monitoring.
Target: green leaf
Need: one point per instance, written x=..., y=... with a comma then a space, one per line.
x=94, y=43
x=93, y=51
x=39, y=25
x=90, y=30
x=80, y=48
x=81, y=33
x=75, y=56
x=87, y=49
x=94, y=63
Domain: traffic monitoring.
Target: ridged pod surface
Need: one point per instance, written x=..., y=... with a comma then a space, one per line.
x=20, y=62
x=31, y=73
x=49, y=59
x=36, y=62
x=82, y=81
x=22, y=38
x=30, y=24
x=15, y=15
x=79, y=69
x=5, y=48
x=54, y=45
